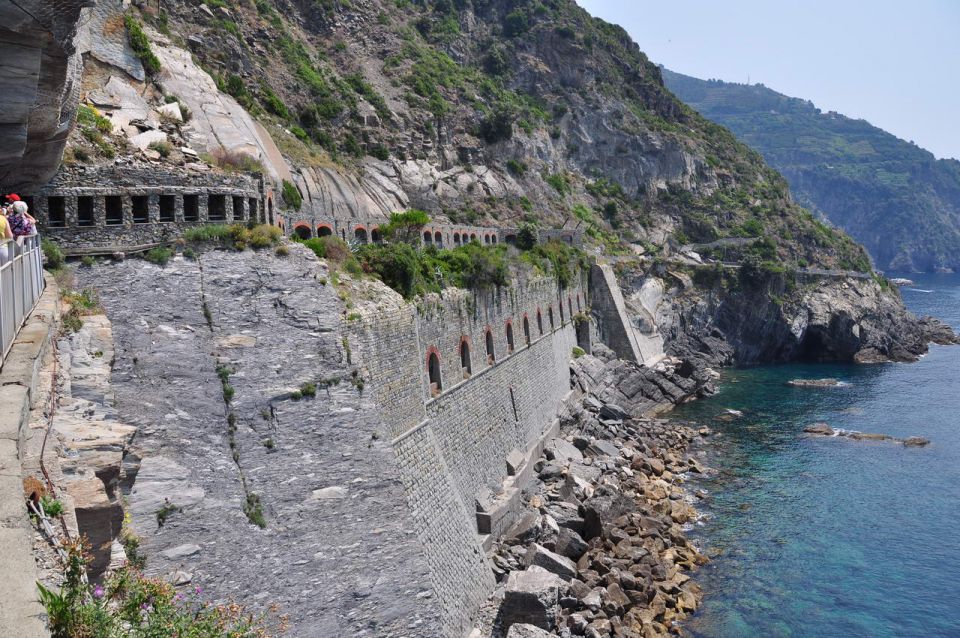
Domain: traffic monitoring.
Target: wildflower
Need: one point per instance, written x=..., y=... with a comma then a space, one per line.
x=198, y=590
x=98, y=591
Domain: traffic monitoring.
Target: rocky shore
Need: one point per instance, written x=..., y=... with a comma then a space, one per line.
x=601, y=551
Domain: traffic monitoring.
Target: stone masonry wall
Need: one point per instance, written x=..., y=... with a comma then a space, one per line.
x=451, y=441
x=219, y=198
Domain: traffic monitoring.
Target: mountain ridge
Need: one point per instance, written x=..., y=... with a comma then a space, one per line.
x=891, y=195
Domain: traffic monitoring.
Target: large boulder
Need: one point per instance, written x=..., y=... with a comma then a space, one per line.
x=600, y=511
x=531, y=597
x=524, y=630
x=542, y=557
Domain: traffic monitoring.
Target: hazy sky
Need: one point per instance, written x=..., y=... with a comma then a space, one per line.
x=893, y=63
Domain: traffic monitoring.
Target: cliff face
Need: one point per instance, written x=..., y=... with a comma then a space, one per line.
x=894, y=197
x=40, y=73
x=486, y=112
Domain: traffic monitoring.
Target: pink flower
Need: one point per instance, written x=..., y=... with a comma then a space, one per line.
x=198, y=590
x=98, y=591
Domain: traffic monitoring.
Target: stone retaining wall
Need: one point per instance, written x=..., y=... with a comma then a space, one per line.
x=452, y=436
x=86, y=209
x=20, y=611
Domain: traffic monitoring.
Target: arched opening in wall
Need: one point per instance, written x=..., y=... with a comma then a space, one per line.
x=427, y=237
x=550, y=316
x=465, y=365
x=360, y=234
x=376, y=236
x=302, y=231
x=579, y=307
x=511, y=239
x=85, y=211
x=473, y=237
x=168, y=207
x=486, y=239
x=570, y=306
x=438, y=239
x=526, y=330
x=56, y=212
x=493, y=239
x=509, y=336
x=539, y=321
x=433, y=372
x=491, y=355
x=456, y=239
x=270, y=210
x=191, y=208
x=324, y=231
x=563, y=318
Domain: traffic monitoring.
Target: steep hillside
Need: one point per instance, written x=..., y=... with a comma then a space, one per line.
x=495, y=112
x=894, y=197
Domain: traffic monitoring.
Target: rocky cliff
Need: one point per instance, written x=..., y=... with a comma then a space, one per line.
x=490, y=112
x=40, y=75
x=894, y=197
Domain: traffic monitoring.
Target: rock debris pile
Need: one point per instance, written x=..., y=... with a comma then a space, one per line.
x=601, y=551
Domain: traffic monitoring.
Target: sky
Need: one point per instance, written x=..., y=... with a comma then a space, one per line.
x=893, y=63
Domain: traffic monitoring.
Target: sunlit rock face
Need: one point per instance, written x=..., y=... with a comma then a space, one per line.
x=40, y=70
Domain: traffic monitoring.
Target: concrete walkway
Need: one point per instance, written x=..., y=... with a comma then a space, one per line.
x=21, y=614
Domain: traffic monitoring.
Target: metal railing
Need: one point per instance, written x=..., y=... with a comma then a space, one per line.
x=21, y=283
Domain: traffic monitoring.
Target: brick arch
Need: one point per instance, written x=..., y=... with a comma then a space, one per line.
x=360, y=233
x=508, y=329
x=302, y=230
x=324, y=230
x=526, y=329
x=540, y=320
x=375, y=235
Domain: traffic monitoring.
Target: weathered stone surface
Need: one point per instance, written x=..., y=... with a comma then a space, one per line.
x=524, y=630
x=542, y=557
x=570, y=544
x=531, y=597
x=358, y=550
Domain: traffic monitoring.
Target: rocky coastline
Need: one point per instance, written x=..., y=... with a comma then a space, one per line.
x=601, y=548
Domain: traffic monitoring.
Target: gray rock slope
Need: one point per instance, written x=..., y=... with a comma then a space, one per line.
x=338, y=554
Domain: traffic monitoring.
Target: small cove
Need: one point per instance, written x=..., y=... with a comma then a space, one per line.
x=815, y=536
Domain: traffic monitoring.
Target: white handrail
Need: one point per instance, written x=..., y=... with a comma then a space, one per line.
x=21, y=283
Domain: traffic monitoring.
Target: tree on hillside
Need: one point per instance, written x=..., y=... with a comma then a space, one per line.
x=406, y=227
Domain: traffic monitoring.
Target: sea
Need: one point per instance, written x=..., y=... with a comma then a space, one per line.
x=827, y=536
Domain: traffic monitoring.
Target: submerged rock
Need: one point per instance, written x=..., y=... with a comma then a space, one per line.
x=813, y=383
x=820, y=428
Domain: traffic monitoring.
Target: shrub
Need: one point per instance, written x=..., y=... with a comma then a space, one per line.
x=162, y=147
x=560, y=183
x=406, y=226
x=578, y=352
x=330, y=248
x=282, y=251
x=53, y=258
x=516, y=167
x=291, y=195
x=233, y=161
x=527, y=236
x=497, y=127
x=129, y=604
x=159, y=255
x=396, y=265
x=141, y=45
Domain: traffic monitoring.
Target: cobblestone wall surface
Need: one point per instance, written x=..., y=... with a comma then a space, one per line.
x=451, y=440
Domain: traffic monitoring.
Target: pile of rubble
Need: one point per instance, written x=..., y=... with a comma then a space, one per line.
x=601, y=549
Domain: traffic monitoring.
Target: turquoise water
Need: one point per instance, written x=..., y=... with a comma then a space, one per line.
x=831, y=537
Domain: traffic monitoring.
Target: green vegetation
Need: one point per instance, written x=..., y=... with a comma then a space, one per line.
x=236, y=236
x=141, y=45
x=160, y=255
x=92, y=127
x=877, y=187
x=165, y=512
x=406, y=226
x=131, y=605
x=53, y=258
x=291, y=195
x=578, y=352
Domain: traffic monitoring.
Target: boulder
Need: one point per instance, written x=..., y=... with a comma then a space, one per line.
x=915, y=441
x=562, y=451
x=613, y=412
x=524, y=630
x=540, y=556
x=570, y=544
x=531, y=597
x=819, y=428
x=600, y=511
